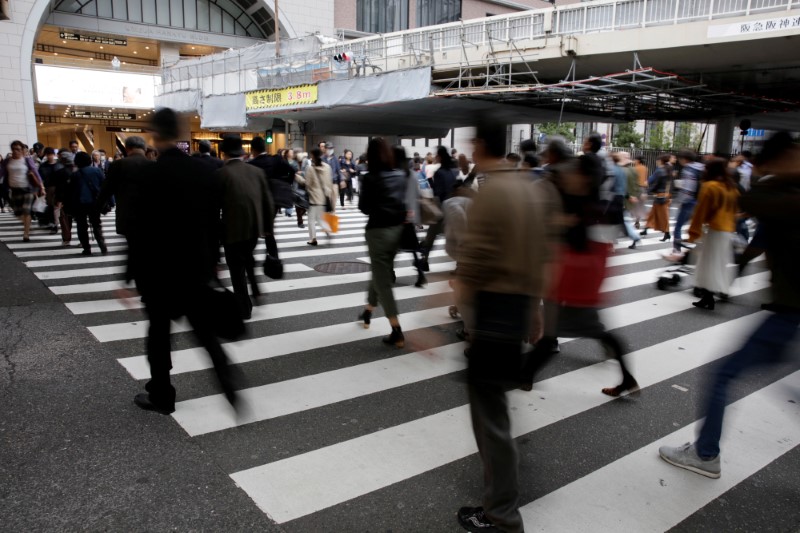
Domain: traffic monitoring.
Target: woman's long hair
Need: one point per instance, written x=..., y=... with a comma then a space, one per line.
x=445, y=158
x=379, y=156
x=316, y=157
x=717, y=170
x=401, y=159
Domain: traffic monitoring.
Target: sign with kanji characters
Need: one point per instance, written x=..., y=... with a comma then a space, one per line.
x=287, y=97
x=755, y=26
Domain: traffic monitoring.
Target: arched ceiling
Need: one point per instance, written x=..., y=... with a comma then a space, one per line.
x=247, y=18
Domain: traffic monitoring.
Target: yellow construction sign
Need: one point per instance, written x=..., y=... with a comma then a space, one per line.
x=287, y=97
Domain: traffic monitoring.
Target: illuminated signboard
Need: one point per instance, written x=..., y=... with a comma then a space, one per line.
x=60, y=85
x=102, y=115
x=288, y=97
x=67, y=36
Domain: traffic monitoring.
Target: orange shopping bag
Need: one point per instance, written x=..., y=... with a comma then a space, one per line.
x=332, y=220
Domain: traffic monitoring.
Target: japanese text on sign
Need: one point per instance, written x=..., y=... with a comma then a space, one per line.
x=755, y=26
x=290, y=96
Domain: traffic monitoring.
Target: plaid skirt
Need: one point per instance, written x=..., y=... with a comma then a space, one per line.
x=22, y=201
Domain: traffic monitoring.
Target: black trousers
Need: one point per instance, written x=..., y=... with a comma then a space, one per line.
x=269, y=240
x=160, y=314
x=241, y=264
x=84, y=216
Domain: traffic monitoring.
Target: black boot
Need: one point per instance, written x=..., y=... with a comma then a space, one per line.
x=421, y=280
x=706, y=302
x=666, y=237
x=366, y=317
x=396, y=337
x=643, y=232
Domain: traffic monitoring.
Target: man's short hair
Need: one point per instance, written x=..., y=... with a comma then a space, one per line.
x=493, y=135
x=135, y=142
x=204, y=147
x=258, y=145
x=595, y=142
x=165, y=124
x=73, y=141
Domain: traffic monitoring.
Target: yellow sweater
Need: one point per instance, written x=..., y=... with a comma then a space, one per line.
x=716, y=206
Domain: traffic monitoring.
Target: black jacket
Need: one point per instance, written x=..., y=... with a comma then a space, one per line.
x=280, y=177
x=123, y=183
x=175, y=244
x=383, y=198
x=444, y=181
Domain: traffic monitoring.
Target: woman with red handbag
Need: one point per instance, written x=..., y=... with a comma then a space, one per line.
x=571, y=307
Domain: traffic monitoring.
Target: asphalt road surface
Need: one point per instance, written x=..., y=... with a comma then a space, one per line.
x=342, y=433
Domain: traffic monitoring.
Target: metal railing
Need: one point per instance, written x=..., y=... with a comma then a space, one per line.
x=242, y=70
x=574, y=19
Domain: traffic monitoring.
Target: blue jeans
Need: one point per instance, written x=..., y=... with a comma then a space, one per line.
x=684, y=215
x=632, y=233
x=767, y=345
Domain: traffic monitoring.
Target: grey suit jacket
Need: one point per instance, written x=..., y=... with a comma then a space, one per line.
x=246, y=202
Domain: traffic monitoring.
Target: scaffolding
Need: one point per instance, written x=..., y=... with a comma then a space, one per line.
x=639, y=93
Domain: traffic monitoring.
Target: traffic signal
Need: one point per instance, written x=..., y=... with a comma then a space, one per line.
x=268, y=137
x=343, y=57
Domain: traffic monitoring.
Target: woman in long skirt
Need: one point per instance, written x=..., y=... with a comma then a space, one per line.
x=659, y=182
x=713, y=223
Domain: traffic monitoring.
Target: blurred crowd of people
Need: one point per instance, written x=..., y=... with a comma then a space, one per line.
x=530, y=233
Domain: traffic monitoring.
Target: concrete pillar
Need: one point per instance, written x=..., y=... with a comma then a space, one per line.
x=295, y=138
x=170, y=53
x=726, y=127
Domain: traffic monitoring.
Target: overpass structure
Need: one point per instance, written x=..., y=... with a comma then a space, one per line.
x=609, y=60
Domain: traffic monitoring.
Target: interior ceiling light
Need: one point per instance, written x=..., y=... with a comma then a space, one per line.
x=101, y=48
x=147, y=48
x=135, y=52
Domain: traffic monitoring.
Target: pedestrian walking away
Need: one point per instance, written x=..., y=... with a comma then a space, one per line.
x=383, y=199
x=175, y=268
x=247, y=215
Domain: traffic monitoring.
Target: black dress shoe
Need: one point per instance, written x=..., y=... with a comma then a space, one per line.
x=142, y=400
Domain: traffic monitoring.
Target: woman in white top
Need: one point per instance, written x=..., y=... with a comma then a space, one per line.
x=23, y=180
x=321, y=194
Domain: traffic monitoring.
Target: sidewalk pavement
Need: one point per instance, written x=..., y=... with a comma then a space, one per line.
x=75, y=453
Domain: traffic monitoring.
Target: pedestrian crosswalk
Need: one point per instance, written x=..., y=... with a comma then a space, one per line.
x=341, y=432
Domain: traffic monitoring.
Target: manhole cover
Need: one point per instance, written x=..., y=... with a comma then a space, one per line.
x=343, y=267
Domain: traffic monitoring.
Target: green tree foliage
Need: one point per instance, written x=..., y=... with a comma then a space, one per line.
x=565, y=129
x=659, y=138
x=626, y=136
x=683, y=136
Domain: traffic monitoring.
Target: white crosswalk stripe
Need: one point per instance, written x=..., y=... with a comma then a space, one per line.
x=308, y=363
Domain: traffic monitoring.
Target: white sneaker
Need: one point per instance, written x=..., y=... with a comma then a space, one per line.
x=686, y=457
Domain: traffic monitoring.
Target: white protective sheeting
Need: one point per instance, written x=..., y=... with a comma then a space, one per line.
x=399, y=86
x=224, y=112
x=183, y=101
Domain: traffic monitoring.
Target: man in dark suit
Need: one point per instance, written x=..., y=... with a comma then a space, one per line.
x=123, y=183
x=247, y=214
x=206, y=158
x=177, y=224
x=280, y=176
